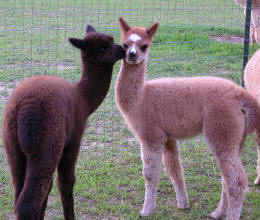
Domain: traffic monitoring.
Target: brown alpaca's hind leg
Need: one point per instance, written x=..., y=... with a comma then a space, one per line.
x=151, y=157
x=66, y=179
x=44, y=205
x=38, y=180
x=17, y=163
x=257, y=180
x=173, y=167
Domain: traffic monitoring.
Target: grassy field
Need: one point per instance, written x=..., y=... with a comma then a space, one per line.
x=33, y=41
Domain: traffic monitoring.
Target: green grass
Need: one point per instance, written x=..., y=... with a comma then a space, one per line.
x=33, y=41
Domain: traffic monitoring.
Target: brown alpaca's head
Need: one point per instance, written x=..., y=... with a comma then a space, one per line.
x=136, y=41
x=98, y=47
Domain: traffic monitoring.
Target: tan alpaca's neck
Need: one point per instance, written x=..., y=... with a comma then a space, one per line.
x=130, y=85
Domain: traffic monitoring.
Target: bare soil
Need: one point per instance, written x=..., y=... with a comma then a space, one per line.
x=227, y=38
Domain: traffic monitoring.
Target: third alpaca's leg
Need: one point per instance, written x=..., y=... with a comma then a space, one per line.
x=151, y=157
x=257, y=180
x=256, y=25
x=66, y=178
x=173, y=167
x=252, y=34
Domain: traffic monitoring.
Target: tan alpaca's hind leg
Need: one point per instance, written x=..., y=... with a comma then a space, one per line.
x=223, y=204
x=257, y=180
x=224, y=132
x=151, y=158
x=236, y=182
x=173, y=167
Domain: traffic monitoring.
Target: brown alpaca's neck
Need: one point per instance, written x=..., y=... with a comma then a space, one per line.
x=130, y=85
x=94, y=83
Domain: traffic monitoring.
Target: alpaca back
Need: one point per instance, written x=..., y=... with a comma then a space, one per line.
x=178, y=106
x=42, y=105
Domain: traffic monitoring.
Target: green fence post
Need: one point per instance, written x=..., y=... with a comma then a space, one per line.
x=246, y=37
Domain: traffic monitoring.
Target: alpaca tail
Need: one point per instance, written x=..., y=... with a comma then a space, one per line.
x=30, y=124
x=251, y=109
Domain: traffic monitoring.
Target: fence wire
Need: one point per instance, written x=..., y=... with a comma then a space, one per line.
x=34, y=41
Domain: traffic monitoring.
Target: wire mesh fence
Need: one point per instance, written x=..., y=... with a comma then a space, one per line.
x=196, y=37
x=34, y=33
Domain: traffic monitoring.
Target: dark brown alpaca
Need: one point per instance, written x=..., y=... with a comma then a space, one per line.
x=44, y=122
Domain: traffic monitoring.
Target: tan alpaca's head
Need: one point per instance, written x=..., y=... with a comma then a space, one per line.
x=136, y=41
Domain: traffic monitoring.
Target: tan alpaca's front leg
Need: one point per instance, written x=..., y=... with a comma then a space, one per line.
x=173, y=167
x=151, y=158
x=223, y=204
x=257, y=180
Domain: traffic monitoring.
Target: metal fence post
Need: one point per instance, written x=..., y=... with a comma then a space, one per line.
x=246, y=37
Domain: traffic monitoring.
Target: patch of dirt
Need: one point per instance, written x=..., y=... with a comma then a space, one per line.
x=227, y=38
x=89, y=202
x=63, y=66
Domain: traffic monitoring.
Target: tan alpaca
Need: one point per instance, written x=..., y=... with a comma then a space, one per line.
x=163, y=110
x=255, y=19
x=252, y=83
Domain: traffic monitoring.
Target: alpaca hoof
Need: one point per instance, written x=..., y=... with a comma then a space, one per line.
x=216, y=215
x=183, y=205
x=145, y=212
x=257, y=180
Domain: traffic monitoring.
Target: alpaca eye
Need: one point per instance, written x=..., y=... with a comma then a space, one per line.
x=125, y=46
x=101, y=50
x=143, y=48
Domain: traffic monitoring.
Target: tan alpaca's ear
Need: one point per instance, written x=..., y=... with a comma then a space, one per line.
x=123, y=25
x=152, y=29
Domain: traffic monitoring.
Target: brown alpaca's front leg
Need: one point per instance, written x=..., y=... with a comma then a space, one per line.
x=66, y=179
x=173, y=167
x=151, y=158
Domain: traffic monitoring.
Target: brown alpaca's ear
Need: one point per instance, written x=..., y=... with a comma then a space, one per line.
x=90, y=29
x=123, y=25
x=152, y=29
x=78, y=43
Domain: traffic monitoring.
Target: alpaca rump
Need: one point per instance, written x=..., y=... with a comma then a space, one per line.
x=44, y=121
x=252, y=83
x=161, y=111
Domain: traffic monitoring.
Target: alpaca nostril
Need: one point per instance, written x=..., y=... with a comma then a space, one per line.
x=132, y=54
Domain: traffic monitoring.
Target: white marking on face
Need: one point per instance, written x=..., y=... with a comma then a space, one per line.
x=133, y=50
x=134, y=37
